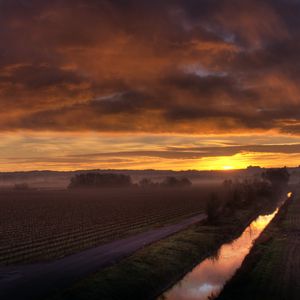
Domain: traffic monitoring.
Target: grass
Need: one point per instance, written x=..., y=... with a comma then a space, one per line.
x=272, y=268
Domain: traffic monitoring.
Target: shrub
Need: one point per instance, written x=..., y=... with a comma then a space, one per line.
x=147, y=183
x=213, y=208
x=277, y=177
x=176, y=182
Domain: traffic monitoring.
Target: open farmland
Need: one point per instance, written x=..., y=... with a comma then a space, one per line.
x=42, y=225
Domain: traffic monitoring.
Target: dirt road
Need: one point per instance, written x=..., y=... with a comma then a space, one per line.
x=36, y=281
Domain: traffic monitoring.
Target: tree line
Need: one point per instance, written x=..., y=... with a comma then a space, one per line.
x=99, y=180
x=247, y=194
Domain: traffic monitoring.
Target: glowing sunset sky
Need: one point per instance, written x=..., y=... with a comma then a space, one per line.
x=138, y=84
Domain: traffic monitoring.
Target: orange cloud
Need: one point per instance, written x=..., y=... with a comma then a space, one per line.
x=150, y=67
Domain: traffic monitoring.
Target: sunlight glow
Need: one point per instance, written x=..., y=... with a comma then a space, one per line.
x=226, y=163
x=226, y=168
x=78, y=151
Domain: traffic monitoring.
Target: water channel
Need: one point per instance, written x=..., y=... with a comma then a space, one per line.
x=209, y=277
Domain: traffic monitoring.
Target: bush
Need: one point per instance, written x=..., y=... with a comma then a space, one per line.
x=213, y=208
x=176, y=182
x=147, y=183
x=277, y=177
x=98, y=180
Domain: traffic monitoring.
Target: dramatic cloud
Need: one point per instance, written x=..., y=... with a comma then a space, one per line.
x=151, y=67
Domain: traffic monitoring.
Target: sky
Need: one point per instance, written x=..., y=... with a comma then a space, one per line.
x=138, y=84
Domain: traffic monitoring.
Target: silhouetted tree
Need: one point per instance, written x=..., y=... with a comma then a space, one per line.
x=212, y=208
x=227, y=184
x=176, y=182
x=277, y=177
x=147, y=183
x=234, y=200
x=98, y=180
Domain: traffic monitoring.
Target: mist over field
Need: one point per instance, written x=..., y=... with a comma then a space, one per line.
x=61, y=180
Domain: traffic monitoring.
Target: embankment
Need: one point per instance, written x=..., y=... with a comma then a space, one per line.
x=272, y=268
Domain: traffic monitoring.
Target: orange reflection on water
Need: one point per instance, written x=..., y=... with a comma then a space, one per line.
x=210, y=275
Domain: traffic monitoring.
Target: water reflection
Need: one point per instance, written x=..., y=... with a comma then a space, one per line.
x=209, y=276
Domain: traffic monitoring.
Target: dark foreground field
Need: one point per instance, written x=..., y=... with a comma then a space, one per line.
x=272, y=269
x=16, y=282
x=42, y=225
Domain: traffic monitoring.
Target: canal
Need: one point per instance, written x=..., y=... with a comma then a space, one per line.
x=207, y=279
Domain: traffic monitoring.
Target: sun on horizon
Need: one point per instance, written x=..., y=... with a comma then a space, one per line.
x=228, y=168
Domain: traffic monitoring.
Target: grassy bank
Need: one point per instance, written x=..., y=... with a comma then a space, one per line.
x=272, y=269
x=151, y=270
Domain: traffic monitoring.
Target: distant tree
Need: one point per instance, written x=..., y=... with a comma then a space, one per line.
x=176, y=182
x=253, y=168
x=98, y=180
x=169, y=182
x=277, y=177
x=212, y=208
x=235, y=200
x=249, y=193
x=185, y=182
x=263, y=188
x=227, y=184
x=147, y=183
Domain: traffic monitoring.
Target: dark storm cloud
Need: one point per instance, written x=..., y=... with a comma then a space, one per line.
x=193, y=66
x=37, y=77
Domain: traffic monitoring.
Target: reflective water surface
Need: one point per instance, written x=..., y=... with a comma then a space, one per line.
x=210, y=275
